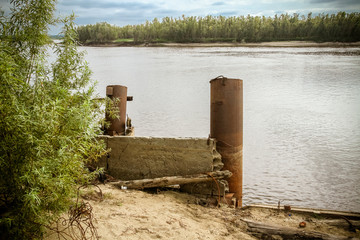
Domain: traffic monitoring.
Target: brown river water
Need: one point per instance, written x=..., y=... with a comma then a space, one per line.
x=301, y=112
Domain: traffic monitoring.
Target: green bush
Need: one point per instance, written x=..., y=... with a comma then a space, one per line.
x=47, y=127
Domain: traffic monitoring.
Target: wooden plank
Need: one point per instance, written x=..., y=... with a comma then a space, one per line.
x=265, y=231
x=333, y=213
x=351, y=225
x=173, y=180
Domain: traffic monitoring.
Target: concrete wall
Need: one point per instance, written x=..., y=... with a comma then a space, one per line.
x=144, y=157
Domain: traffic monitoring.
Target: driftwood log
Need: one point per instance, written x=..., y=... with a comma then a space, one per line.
x=173, y=180
x=351, y=225
x=320, y=212
x=264, y=231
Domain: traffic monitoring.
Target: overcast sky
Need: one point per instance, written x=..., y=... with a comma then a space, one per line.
x=123, y=12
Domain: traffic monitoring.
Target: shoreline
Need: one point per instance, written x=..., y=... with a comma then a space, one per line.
x=278, y=44
x=170, y=214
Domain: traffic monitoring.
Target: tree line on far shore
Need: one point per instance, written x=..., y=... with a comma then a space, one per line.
x=343, y=27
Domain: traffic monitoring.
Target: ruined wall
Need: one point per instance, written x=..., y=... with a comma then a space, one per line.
x=145, y=157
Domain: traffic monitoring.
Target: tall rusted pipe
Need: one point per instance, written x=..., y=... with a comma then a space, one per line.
x=226, y=126
x=119, y=94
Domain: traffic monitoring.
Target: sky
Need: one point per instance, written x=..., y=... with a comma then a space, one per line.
x=124, y=12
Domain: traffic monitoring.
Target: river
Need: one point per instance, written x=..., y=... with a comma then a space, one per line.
x=301, y=112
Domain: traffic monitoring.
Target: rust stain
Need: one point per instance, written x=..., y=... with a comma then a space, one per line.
x=226, y=126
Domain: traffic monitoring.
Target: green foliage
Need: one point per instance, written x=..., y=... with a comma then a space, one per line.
x=344, y=27
x=47, y=127
x=98, y=33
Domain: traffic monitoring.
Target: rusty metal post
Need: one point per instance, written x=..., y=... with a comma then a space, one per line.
x=117, y=125
x=226, y=126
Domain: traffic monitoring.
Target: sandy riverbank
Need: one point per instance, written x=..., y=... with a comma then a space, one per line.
x=264, y=44
x=133, y=214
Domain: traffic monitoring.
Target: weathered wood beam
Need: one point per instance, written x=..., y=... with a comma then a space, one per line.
x=264, y=231
x=345, y=223
x=322, y=212
x=173, y=180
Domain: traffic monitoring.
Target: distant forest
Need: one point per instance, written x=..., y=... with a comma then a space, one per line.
x=343, y=27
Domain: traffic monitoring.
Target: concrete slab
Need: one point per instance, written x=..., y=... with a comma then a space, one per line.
x=146, y=157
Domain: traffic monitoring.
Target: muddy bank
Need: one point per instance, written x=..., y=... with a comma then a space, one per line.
x=292, y=44
x=133, y=214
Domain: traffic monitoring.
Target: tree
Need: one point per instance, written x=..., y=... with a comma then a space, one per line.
x=342, y=27
x=47, y=131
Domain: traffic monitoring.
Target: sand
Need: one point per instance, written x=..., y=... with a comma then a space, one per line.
x=133, y=214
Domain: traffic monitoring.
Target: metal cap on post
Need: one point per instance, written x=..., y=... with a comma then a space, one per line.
x=117, y=125
x=226, y=126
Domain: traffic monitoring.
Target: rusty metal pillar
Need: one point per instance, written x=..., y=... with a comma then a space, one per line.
x=226, y=126
x=117, y=125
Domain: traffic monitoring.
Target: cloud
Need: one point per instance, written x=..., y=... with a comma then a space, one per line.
x=87, y=4
x=218, y=4
x=229, y=13
x=166, y=12
x=322, y=1
x=337, y=3
x=277, y=1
